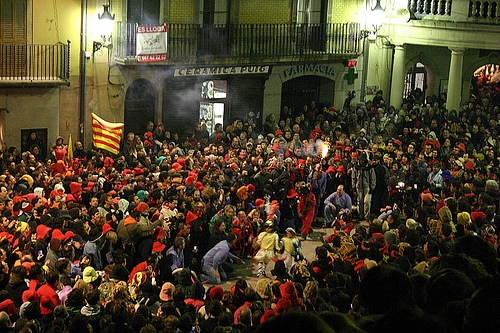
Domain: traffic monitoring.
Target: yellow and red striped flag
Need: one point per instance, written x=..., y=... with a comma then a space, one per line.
x=106, y=135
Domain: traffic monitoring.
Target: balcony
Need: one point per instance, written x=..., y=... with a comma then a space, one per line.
x=197, y=44
x=34, y=64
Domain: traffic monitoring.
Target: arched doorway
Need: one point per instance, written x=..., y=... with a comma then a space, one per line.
x=140, y=102
x=302, y=90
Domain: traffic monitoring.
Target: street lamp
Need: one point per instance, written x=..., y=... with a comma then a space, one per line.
x=373, y=23
x=106, y=24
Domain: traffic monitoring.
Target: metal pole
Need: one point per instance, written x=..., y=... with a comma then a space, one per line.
x=366, y=52
x=83, y=71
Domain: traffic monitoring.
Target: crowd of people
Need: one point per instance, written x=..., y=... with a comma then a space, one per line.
x=142, y=240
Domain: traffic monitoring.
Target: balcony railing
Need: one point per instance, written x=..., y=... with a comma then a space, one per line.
x=476, y=11
x=262, y=41
x=34, y=64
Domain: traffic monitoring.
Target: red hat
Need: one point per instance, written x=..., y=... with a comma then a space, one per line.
x=292, y=194
x=148, y=134
x=397, y=142
x=68, y=235
x=107, y=227
x=426, y=195
x=190, y=217
x=70, y=197
x=216, y=293
x=354, y=154
x=182, y=161
x=4, y=235
x=127, y=172
x=251, y=188
x=347, y=148
x=233, y=166
x=279, y=132
x=330, y=169
x=138, y=171
x=199, y=186
x=469, y=165
x=158, y=247
x=317, y=130
x=159, y=233
x=41, y=231
x=27, y=207
x=190, y=180
x=337, y=158
x=301, y=161
x=331, y=108
x=288, y=291
x=142, y=206
x=56, y=233
x=461, y=146
x=475, y=215
x=259, y=202
x=176, y=166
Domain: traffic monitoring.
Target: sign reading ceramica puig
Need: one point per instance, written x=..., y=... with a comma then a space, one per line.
x=222, y=70
x=311, y=68
x=151, y=43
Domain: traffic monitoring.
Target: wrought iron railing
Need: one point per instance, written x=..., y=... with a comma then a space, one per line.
x=269, y=41
x=34, y=63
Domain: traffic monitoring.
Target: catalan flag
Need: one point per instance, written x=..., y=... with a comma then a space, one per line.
x=106, y=135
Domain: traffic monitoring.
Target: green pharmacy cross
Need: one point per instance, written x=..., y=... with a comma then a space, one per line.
x=350, y=76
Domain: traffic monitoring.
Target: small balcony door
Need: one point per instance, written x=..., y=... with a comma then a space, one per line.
x=214, y=30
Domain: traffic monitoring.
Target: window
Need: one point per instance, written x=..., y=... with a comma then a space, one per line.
x=311, y=11
x=13, y=36
x=214, y=11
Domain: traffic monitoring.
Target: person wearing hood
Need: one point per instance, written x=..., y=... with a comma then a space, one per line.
x=92, y=247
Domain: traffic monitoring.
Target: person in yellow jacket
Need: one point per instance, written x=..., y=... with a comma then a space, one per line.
x=268, y=241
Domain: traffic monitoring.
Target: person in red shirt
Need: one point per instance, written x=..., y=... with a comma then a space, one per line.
x=48, y=294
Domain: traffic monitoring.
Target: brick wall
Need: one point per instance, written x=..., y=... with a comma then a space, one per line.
x=182, y=11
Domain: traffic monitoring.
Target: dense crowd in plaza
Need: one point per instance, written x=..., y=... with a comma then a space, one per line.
x=141, y=241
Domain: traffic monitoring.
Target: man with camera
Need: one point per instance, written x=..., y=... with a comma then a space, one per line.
x=363, y=183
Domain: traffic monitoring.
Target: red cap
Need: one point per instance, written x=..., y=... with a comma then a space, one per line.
x=190, y=217
x=199, y=186
x=106, y=227
x=292, y=194
x=68, y=235
x=251, y=188
x=337, y=158
x=176, y=166
x=279, y=132
x=233, y=166
x=142, y=206
x=56, y=233
x=138, y=171
x=354, y=154
x=330, y=169
x=259, y=202
x=158, y=247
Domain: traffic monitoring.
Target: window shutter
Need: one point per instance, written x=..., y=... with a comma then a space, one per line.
x=13, y=38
